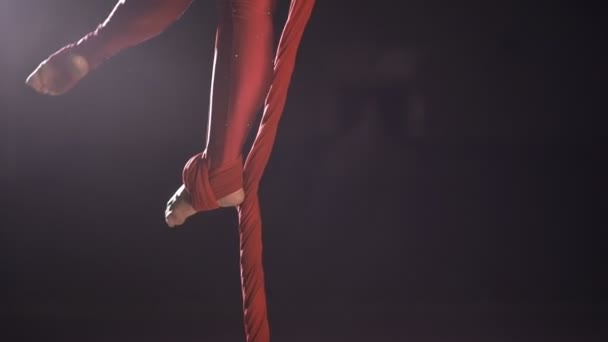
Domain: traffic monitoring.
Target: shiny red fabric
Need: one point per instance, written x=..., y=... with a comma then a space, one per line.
x=205, y=185
x=250, y=217
x=242, y=75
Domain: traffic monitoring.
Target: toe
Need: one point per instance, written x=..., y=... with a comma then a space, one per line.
x=173, y=217
x=169, y=219
x=173, y=220
x=34, y=81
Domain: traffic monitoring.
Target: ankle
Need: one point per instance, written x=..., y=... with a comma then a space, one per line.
x=232, y=200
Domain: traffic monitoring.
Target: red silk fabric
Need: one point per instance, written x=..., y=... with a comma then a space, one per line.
x=205, y=185
x=250, y=218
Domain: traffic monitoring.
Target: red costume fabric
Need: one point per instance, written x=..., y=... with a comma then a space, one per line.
x=243, y=74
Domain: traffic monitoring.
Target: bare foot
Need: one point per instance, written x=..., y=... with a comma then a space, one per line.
x=58, y=74
x=179, y=207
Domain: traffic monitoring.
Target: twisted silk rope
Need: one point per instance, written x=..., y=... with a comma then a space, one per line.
x=250, y=219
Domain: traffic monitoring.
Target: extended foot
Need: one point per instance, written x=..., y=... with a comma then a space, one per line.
x=58, y=74
x=179, y=207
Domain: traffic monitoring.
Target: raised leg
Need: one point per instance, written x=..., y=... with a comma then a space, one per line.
x=131, y=22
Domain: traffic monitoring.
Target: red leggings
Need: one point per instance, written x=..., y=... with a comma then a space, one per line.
x=241, y=76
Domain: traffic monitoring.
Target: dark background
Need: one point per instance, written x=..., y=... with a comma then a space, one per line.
x=437, y=177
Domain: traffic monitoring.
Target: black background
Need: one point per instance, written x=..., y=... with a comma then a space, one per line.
x=437, y=177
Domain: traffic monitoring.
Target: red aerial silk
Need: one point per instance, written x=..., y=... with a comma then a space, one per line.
x=243, y=73
x=250, y=219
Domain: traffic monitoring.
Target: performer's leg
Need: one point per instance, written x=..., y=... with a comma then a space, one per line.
x=131, y=22
x=241, y=76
